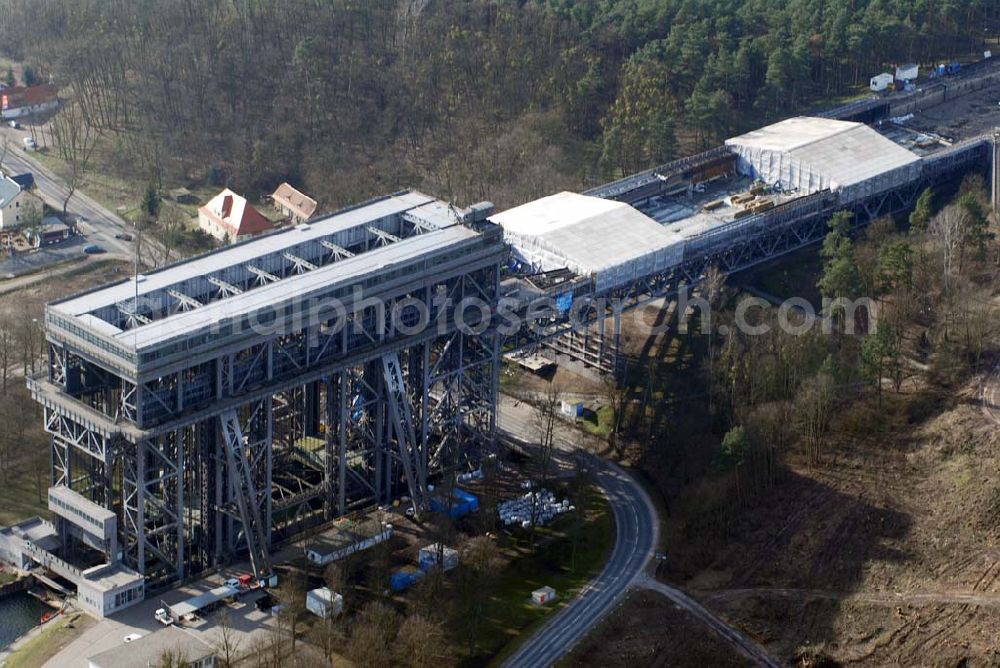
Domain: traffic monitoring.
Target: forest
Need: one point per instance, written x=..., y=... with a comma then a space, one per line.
x=478, y=99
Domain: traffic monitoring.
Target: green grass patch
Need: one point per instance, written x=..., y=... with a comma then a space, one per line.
x=56, y=635
x=19, y=498
x=599, y=422
x=510, y=617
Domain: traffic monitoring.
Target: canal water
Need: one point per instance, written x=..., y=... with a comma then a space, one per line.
x=18, y=613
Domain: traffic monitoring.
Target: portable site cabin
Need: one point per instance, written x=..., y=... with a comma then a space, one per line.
x=324, y=602
x=543, y=595
x=429, y=557
x=880, y=82
x=907, y=72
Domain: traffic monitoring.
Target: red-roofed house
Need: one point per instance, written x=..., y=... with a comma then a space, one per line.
x=18, y=101
x=294, y=204
x=227, y=216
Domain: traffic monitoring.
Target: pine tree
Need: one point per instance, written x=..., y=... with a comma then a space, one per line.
x=922, y=212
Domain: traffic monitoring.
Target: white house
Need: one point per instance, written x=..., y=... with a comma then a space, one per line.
x=12, y=201
x=228, y=216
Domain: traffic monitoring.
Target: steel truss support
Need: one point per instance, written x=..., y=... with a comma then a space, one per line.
x=336, y=252
x=410, y=452
x=241, y=480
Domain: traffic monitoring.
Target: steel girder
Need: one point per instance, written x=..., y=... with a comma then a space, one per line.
x=239, y=459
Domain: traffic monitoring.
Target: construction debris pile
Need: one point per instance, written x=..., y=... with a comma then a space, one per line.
x=538, y=507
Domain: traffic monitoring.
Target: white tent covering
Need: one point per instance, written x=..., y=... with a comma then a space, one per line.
x=607, y=240
x=811, y=154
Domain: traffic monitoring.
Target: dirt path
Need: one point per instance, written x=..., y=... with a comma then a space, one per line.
x=990, y=395
x=973, y=598
x=731, y=635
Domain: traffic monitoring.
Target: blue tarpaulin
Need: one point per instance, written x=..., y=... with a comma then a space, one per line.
x=401, y=580
x=564, y=302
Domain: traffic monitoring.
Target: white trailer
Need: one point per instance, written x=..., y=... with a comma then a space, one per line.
x=908, y=72
x=880, y=82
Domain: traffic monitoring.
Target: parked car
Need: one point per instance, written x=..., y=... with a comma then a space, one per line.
x=265, y=603
x=233, y=582
x=14, y=124
x=29, y=144
x=132, y=636
x=163, y=617
x=92, y=249
x=124, y=236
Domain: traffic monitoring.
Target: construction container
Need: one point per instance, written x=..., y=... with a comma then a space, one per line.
x=742, y=213
x=573, y=409
x=405, y=578
x=324, y=602
x=758, y=189
x=880, y=82
x=713, y=205
x=742, y=199
x=543, y=595
x=907, y=72
x=429, y=557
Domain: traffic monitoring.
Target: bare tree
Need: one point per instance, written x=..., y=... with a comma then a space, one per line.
x=616, y=394
x=373, y=635
x=813, y=407
x=7, y=343
x=545, y=419
x=946, y=231
x=583, y=480
x=422, y=643
x=480, y=565
x=75, y=139
x=293, y=602
x=229, y=639
x=4, y=148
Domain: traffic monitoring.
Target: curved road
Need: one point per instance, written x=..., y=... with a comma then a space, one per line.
x=636, y=537
x=637, y=531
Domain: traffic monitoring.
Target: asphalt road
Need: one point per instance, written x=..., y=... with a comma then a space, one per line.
x=734, y=637
x=100, y=226
x=636, y=529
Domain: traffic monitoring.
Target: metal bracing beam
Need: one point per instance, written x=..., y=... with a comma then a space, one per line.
x=186, y=302
x=262, y=276
x=129, y=310
x=301, y=265
x=384, y=237
x=246, y=494
x=227, y=289
x=402, y=423
x=338, y=252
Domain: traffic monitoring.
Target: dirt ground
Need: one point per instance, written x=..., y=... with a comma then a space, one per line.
x=885, y=554
x=647, y=630
x=964, y=117
x=31, y=300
